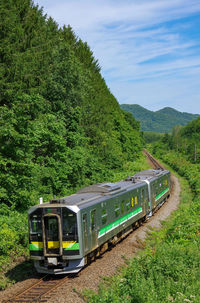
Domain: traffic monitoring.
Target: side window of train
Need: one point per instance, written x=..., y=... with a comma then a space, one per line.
x=93, y=219
x=152, y=190
x=85, y=233
x=104, y=215
x=122, y=206
x=128, y=205
x=143, y=197
x=85, y=223
x=116, y=209
x=157, y=186
x=132, y=202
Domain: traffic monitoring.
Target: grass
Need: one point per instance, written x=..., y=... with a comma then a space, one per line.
x=13, y=246
x=167, y=270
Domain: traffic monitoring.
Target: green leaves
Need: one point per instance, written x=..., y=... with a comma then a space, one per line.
x=13, y=232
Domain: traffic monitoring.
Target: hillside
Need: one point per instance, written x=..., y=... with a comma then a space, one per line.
x=60, y=126
x=159, y=121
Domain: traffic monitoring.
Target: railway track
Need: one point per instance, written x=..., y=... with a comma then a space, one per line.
x=154, y=162
x=40, y=291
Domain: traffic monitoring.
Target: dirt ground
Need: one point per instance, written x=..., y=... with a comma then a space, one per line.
x=106, y=265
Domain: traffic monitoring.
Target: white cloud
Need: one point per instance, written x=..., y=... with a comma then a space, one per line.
x=142, y=58
x=156, y=94
x=87, y=14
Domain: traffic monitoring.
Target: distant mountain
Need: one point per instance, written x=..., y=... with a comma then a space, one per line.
x=159, y=121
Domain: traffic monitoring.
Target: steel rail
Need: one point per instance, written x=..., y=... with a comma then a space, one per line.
x=155, y=163
x=39, y=291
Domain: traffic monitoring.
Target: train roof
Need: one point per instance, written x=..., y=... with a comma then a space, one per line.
x=96, y=193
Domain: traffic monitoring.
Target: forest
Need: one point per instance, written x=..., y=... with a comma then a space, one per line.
x=183, y=140
x=61, y=128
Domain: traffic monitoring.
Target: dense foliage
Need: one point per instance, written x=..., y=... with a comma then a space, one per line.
x=183, y=140
x=60, y=126
x=151, y=137
x=161, y=121
x=13, y=244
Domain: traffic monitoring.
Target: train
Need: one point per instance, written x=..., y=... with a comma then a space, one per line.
x=67, y=233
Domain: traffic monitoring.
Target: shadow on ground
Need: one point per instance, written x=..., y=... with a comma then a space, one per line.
x=22, y=271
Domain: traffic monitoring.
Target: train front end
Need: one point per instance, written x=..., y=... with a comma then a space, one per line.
x=54, y=239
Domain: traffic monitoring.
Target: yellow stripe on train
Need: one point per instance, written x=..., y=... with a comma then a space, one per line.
x=55, y=244
x=68, y=244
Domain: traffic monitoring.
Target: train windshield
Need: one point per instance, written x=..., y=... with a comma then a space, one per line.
x=69, y=225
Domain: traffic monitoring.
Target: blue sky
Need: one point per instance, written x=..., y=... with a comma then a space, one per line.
x=148, y=50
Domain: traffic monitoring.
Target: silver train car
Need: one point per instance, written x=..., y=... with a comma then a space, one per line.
x=65, y=234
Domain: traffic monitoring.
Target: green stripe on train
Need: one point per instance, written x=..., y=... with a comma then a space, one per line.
x=162, y=193
x=119, y=221
x=34, y=247
x=75, y=246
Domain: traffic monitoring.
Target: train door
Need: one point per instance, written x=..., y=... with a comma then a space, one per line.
x=149, y=206
x=143, y=200
x=52, y=236
x=93, y=228
x=85, y=232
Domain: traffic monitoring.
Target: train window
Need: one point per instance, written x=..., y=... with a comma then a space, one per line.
x=85, y=223
x=116, y=209
x=35, y=224
x=122, y=206
x=51, y=227
x=136, y=200
x=93, y=219
x=85, y=233
x=128, y=205
x=69, y=224
x=104, y=216
x=153, y=191
x=143, y=196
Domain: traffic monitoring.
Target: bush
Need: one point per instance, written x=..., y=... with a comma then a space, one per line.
x=13, y=232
